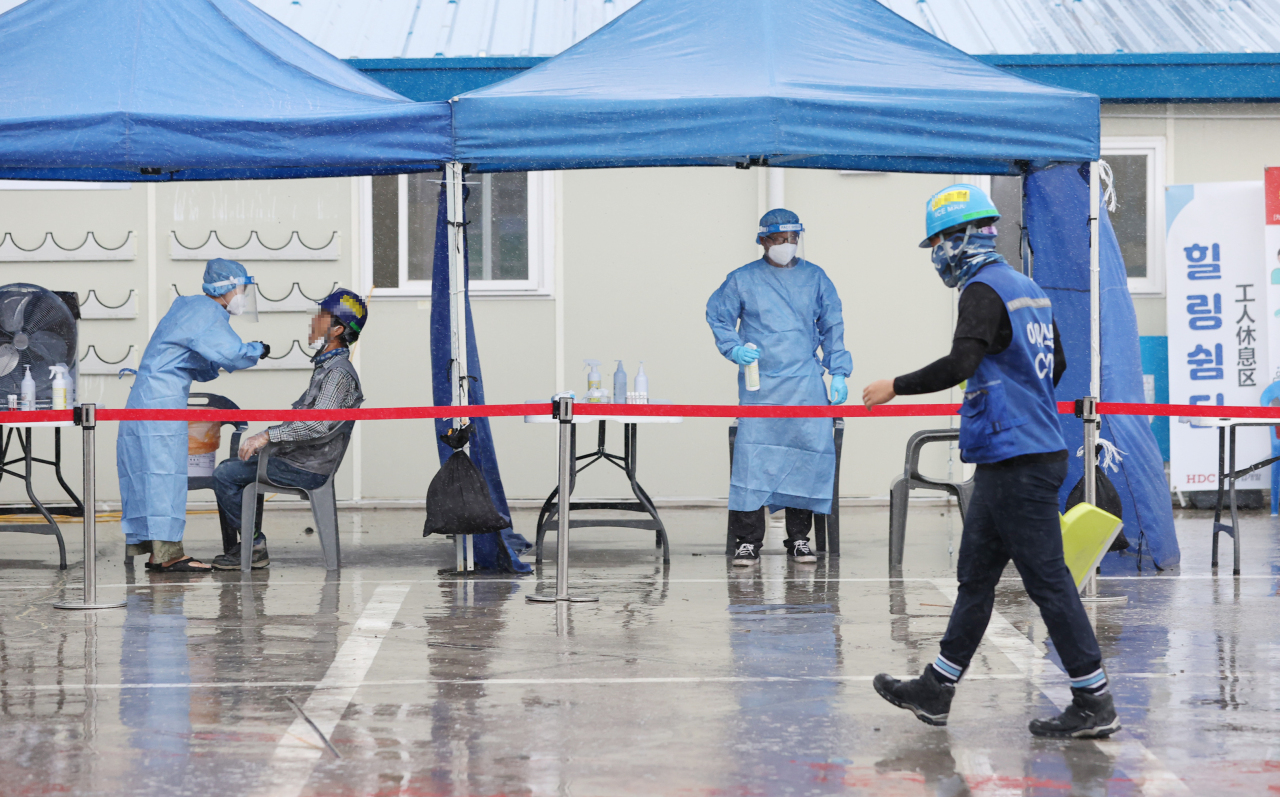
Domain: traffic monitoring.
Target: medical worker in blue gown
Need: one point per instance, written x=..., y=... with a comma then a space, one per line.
x=788, y=309
x=191, y=343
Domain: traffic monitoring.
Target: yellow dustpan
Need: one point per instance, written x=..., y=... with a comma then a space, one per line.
x=1087, y=534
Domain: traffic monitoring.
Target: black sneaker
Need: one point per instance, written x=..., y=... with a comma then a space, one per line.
x=926, y=697
x=746, y=555
x=799, y=551
x=231, y=559
x=1088, y=717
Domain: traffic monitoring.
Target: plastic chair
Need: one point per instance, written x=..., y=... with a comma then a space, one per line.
x=911, y=479
x=324, y=503
x=826, y=528
x=211, y=401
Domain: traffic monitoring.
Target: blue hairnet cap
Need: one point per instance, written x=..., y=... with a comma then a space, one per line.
x=222, y=270
x=779, y=220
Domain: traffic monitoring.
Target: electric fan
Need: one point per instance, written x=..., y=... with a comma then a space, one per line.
x=36, y=329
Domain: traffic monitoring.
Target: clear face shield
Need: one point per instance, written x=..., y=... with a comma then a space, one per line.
x=785, y=247
x=244, y=298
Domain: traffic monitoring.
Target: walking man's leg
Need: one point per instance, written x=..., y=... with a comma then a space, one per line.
x=1033, y=534
x=982, y=559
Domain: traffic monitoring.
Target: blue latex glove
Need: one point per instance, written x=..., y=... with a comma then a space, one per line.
x=744, y=356
x=839, y=391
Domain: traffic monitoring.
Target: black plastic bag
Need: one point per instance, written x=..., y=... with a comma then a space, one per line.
x=458, y=500
x=1108, y=501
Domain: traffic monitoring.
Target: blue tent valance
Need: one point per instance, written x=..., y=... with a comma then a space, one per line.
x=833, y=84
x=138, y=90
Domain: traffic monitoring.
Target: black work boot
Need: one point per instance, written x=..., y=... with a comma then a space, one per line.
x=1088, y=717
x=927, y=696
x=231, y=559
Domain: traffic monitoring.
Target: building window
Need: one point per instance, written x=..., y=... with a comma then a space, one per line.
x=508, y=233
x=1137, y=168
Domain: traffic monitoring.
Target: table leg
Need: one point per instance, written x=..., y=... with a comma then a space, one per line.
x=24, y=440
x=1235, y=516
x=1217, y=514
x=57, y=469
x=629, y=457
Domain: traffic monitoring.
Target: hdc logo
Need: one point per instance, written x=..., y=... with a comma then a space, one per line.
x=1202, y=478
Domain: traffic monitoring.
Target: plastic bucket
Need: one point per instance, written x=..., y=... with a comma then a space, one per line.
x=203, y=440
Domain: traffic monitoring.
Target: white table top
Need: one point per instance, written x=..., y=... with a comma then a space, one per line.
x=586, y=412
x=37, y=425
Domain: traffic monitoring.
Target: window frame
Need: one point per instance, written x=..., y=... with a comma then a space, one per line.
x=542, y=228
x=1154, y=148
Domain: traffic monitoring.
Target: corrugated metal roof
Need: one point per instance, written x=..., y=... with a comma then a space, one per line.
x=1040, y=27
x=458, y=28
x=453, y=28
x=449, y=28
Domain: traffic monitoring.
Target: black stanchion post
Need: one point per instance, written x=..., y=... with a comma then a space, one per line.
x=85, y=417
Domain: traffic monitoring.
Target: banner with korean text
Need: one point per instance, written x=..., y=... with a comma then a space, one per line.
x=1218, y=311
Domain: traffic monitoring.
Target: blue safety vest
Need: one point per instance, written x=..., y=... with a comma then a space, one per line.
x=1009, y=406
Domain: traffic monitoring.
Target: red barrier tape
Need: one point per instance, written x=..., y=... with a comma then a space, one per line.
x=18, y=418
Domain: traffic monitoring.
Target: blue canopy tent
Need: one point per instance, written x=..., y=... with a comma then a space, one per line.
x=136, y=91
x=831, y=84
x=146, y=91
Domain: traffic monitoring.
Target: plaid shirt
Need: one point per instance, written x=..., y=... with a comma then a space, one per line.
x=337, y=392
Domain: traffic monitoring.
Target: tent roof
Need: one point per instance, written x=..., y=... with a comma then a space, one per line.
x=191, y=90
x=837, y=84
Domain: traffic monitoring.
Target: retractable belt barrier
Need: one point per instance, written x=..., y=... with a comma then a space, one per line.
x=26, y=418
x=88, y=416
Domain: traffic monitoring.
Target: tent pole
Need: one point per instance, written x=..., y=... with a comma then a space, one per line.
x=455, y=213
x=1095, y=346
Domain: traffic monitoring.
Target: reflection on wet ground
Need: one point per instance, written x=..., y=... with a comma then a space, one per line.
x=687, y=679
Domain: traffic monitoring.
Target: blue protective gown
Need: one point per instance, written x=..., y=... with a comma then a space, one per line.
x=788, y=313
x=191, y=342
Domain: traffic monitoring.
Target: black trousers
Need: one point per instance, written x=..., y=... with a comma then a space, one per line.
x=1014, y=515
x=749, y=526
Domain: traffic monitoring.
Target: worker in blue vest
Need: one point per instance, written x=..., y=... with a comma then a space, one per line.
x=777, y=313
x=1007, y=347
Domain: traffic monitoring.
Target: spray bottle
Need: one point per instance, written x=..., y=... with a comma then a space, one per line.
x=619, y=385
x=59, y=372
x=28, y=400
x=593, y=375
x=751, y=374
x=595, y=394
x=642, y=384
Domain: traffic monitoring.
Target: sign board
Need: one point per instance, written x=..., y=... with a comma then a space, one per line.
x=1218, y=306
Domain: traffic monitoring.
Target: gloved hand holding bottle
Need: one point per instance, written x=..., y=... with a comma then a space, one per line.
x=743, y=355
x=839, y=390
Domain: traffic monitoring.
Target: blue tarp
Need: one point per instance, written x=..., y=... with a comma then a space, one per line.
x=198, y=90
x=834, y=84
x=1057, y=202
x=494, y=552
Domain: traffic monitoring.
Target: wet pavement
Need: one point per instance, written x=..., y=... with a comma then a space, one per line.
x=687, y=679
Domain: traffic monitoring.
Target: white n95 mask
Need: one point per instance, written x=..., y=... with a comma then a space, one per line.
x=782, y=254
x=236, y=305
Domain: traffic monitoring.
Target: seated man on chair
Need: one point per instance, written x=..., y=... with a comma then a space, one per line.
x=298, y=462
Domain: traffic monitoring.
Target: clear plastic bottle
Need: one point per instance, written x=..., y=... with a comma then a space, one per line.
x=28, y=400
x=752, y=373
x=642, y=384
